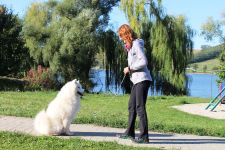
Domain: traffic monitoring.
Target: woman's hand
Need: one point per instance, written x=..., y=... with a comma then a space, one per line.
x=126, y=70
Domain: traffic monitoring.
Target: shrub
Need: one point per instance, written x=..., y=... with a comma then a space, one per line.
x=40, y=79
x=204, y=68
x=215, y=68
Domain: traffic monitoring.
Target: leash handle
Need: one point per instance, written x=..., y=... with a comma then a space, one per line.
x=123, y=80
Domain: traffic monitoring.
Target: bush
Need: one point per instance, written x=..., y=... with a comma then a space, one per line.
x=215, y=68
x=40, y=79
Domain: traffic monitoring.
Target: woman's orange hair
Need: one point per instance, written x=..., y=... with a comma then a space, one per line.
x=126, y=33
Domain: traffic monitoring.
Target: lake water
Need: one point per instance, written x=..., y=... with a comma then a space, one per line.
x=203, y=85
x=200, y=85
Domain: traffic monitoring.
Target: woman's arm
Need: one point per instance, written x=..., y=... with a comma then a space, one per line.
x=141, y=61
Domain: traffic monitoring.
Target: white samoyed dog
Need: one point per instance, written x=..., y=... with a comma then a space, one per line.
x=57, y=117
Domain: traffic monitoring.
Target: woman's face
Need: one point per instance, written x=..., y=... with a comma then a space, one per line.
x=127, y=44
x=126, y=41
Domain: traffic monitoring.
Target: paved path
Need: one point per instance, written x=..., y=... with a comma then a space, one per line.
x=199, y=109
x=97, y=133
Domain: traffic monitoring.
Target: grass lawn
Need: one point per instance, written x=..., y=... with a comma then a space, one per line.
x=14, y=141
x=109, y=110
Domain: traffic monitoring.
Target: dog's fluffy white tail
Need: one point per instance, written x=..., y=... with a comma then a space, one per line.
x=42, y=124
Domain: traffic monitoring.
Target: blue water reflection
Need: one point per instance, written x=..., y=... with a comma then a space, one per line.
x=203, y=85
x=200, y=85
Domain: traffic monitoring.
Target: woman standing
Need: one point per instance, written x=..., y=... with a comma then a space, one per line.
x=140, y=77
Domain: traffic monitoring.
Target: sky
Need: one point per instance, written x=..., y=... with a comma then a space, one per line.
x=196, y=12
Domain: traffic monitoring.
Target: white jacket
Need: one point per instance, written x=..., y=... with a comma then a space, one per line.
x=137, y=62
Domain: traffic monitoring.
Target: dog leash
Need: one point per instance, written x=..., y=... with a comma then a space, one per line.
x=122, y=80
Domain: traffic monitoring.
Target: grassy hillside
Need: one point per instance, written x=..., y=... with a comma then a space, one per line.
x=206, y=54
x=206, y=60
x=207, y=66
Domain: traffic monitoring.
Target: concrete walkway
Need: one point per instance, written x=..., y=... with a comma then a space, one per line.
x=97, y=133
x=199, y=109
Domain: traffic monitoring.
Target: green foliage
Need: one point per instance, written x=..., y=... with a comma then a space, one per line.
x=221, y=73
x=212, y=29
x=195, y=66
x=64, y=35
x=12, y=50
x=115, y=58
x=136, y=13
x=168, y=43
x=172, y=48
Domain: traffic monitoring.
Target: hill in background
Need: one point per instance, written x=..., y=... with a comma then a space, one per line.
x=205, y=60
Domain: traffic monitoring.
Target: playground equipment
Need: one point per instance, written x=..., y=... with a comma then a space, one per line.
x=218, y=99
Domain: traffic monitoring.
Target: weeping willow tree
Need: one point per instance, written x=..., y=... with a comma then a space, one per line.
x=167, y=41
x=114, y=59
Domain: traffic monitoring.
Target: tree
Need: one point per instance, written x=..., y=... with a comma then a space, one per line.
x=203, y=47
x=115, y=60
x=14, y=57
x=195, y=66
x=64, y=34
x=213, y=29
x=204, y=68
x=168, y=43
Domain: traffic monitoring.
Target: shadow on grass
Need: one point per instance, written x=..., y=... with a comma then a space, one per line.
x=187, y=141
x=112, y=134
x=155, y=138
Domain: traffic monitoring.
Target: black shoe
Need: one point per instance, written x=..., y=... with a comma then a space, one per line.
x=141, y=140
x=124, y=136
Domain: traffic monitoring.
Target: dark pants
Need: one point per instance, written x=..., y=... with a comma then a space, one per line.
x=136, y=107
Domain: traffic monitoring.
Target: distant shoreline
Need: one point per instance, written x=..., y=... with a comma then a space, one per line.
x=186, y=72
x=201, y=73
